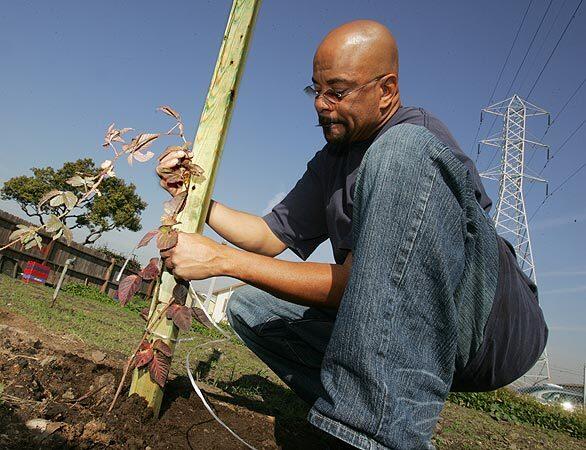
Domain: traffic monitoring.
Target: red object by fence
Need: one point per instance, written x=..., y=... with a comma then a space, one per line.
x=36, y=273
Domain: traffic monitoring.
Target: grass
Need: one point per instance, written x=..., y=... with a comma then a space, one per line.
x=101, y=323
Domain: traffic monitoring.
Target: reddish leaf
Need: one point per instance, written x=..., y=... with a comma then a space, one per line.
x=173, y=206
x=147, y=238
x=162, y=347
x=169, y=111
x=180, y=315
x=142, y=141
x=144, y=355
x=180, y=292
x=194, y=169
x=143, y=157
x=128, y=287
x=151, y=270
x=168, y=221
x=159, y=368
x=114, y=135
x=167, y=238
x=201, y=317
x=171, y=148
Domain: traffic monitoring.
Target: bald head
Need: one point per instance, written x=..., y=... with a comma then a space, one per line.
x=356, y=69
x=362, y=46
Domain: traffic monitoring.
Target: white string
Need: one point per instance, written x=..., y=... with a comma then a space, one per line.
x=190, y=375
x=198, y=391
x=196, y=297
x=207, y=406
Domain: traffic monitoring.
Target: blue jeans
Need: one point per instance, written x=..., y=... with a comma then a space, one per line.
x=423, y=279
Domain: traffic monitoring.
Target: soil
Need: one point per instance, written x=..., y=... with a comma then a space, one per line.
x=57, y=391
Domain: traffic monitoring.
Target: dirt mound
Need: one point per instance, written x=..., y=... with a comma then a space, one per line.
x=55, y=399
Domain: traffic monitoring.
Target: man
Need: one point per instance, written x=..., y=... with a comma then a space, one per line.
x=424, y=297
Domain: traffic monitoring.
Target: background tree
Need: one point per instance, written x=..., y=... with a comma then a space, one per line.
x=117, y=207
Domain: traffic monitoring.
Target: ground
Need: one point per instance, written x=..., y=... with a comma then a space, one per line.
x=61, y=366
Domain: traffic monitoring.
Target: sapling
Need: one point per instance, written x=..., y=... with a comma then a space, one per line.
x=155, y=354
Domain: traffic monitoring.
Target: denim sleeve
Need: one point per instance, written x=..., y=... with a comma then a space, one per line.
x=299, y=219
x=391, y=357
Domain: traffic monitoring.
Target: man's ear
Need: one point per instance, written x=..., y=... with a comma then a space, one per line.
x=389, y=88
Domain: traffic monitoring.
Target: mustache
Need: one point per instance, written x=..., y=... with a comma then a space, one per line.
x=324, y=121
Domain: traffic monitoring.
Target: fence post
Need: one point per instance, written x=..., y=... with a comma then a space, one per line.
x=104, y=286
x=61, y=278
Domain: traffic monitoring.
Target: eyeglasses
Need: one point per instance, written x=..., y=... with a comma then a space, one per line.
x=332, y=96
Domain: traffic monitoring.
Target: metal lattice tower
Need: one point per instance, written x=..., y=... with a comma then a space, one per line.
x=510, y=217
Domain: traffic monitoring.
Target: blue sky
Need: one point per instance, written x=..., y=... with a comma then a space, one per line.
x=71, y=68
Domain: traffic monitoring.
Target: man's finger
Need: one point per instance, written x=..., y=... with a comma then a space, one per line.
x=174, y=154
x=168, y=165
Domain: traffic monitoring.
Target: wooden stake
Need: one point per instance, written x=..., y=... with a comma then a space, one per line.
x=207, y=147
x=104, y=287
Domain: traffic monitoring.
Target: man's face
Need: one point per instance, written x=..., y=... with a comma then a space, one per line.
x=356, y=116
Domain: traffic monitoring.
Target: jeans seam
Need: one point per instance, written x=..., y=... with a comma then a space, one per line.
x=343, y=432
x=419, y=222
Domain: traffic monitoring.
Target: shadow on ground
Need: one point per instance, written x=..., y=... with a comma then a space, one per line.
x=263, y=396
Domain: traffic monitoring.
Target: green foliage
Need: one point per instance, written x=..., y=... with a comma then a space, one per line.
x=509, y=406
x=93, y=293
x=213, y=333
x=117, y=207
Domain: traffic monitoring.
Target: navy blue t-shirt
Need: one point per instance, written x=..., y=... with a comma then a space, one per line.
x=320, y=205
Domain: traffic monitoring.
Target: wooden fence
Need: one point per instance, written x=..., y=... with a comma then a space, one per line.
x=91, y=267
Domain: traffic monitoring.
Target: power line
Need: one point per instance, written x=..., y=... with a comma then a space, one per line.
x=543, y=43
x=503, y=68
x=556, y=369
x=561, y=147
x=556, y=118
x=555, y=48
x=568, y=178
x=568, y=101
x=510, y=51
x=530, y=45
x=519, y=70
x=567, y=140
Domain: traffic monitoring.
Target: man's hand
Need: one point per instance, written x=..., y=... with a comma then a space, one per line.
x=195, y=257
x=170, y=164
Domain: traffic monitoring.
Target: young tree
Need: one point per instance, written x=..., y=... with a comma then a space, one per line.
x=118, y=207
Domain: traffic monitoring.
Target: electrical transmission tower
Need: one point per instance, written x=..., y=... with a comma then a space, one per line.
x=510, y=217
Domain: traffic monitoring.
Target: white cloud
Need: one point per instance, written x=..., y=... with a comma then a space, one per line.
x=275, y=199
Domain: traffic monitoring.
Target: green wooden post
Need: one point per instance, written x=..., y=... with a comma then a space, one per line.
x=207, y=147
